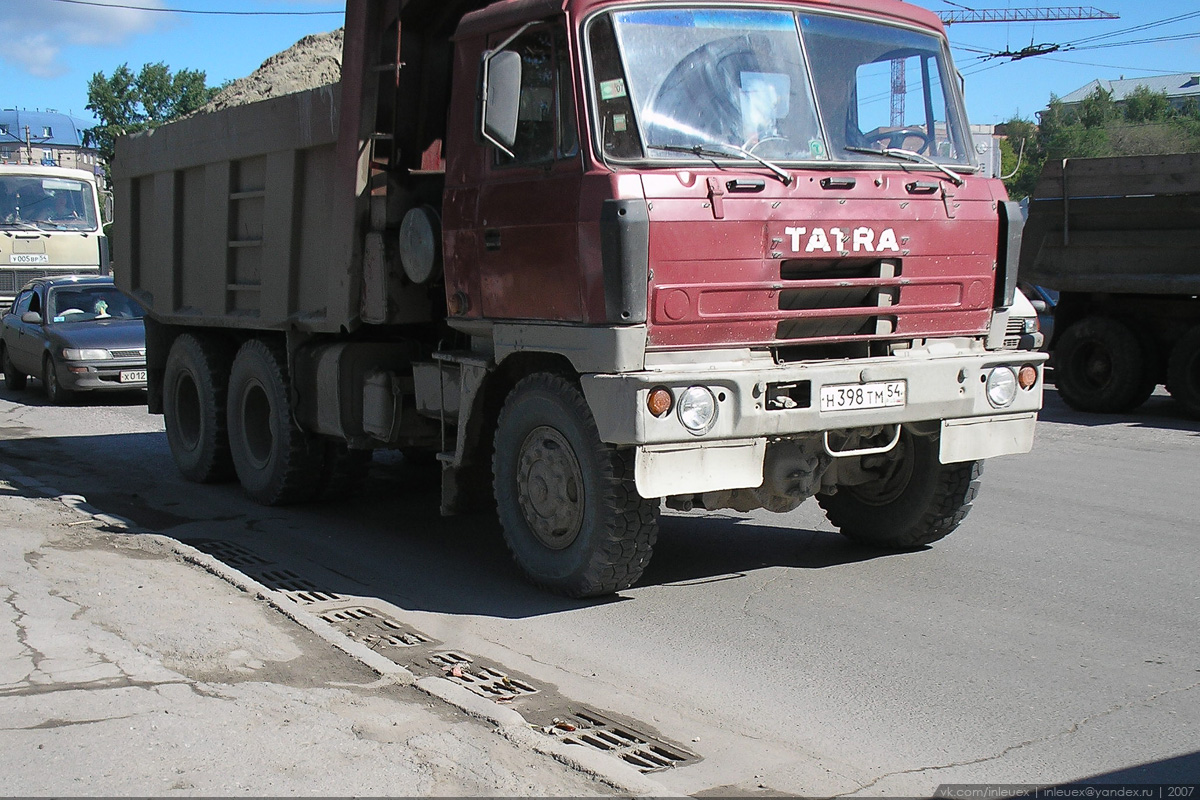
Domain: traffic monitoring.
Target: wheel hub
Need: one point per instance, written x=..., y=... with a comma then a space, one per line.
x=550, y=488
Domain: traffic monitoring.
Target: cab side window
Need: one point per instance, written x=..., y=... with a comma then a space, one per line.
x=546, y=128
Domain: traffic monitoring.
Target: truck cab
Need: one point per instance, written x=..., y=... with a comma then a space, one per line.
x=50, y=224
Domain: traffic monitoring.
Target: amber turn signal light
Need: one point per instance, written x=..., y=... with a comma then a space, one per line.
x=1027, y=377
x=659, y=402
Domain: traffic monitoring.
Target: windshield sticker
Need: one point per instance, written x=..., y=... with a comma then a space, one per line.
x=612, y=90
x=816, y=148
x=619, y=123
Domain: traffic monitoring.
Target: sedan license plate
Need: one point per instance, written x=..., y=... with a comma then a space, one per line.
x=851, y=396
x=133, y=376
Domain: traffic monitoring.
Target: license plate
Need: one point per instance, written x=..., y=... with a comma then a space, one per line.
x=851, y=396
x=28, y=258
x=133, y=376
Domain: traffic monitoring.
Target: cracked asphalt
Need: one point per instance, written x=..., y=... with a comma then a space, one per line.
x=1050, y=640
x=125, y=671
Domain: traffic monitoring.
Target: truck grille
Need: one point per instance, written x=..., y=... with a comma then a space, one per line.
x=1013, y=332
x=832, y=296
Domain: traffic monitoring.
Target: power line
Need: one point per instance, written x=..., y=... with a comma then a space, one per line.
x=204, y=12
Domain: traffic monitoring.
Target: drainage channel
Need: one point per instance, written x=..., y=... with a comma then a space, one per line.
x=543, y=707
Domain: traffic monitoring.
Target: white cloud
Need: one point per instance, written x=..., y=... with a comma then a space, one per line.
x=36, y=35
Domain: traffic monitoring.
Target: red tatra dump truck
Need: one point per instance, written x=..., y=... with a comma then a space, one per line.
x=597, y=255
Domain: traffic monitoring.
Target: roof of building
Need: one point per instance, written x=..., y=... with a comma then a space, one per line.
x=1183, y=84
x=65, y=130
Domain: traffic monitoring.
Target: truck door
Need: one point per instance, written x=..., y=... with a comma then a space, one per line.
x=529, y=200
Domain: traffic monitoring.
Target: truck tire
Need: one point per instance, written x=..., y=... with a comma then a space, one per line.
x=13, y=379
x=55, y=393
x=571, y=514
x=195, y=383
x=1100, y=366
x=276, y=462
x=1183, y=372
x=916, y=501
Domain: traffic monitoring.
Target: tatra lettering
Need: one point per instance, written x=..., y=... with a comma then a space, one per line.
x=861, y=239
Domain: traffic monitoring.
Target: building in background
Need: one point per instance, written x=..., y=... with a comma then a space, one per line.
x=1179, y=88
x=46, y=137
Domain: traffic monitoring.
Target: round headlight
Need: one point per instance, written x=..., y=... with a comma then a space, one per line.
x=697, y=409
x=1002, y=387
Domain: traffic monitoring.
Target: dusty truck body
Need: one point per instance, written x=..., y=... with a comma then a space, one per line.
x=1117, y=238
x=50, y=224
x=597, y=256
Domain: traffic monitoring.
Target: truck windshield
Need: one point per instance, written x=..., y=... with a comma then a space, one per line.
x=46, y=203
x=782, y=85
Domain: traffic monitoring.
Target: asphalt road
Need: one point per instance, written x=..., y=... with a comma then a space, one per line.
x=1051, y=639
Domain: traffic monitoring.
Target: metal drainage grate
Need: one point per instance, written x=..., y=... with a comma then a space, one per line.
x=373, y=629
x=482, y=680
x=231, y=553
x=646, y=753
x=297, y=589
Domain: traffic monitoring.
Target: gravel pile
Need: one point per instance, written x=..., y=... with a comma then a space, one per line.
x=311, y=62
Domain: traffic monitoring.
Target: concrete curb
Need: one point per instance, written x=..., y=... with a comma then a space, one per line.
x=508, y=722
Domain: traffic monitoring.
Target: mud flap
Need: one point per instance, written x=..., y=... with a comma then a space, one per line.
x=984, y=437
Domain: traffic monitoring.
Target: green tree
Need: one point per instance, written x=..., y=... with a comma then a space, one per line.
x=1143, y=105
x=128, y=103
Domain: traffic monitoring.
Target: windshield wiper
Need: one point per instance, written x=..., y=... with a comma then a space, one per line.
x=705, y=152
x=20, y=225
x=909, y=155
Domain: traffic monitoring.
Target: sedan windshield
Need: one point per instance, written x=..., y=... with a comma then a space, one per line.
x=86, y=303
x=776, y=84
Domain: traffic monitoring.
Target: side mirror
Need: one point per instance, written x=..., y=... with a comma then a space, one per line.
x=31, y=318
x=501, y=98
x=107, y=210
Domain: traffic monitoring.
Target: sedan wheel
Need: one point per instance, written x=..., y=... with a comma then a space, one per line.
x=55, y=393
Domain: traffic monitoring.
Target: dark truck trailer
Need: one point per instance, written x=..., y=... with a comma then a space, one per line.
x=595, y=256
x=1118, y=237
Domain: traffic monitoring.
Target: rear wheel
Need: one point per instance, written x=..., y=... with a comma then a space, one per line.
x=55, y=392
x=915, y=500
x=1183, y=372
x=571, y=513
x=276, y=462
x=1100, y=366
x=194, y=389
x=13, y=379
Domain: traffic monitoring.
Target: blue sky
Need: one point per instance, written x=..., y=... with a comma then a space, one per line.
x=48, y=64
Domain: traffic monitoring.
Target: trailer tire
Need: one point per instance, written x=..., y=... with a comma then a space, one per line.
x=1099, y=366
x=195, y=382
x=1183, y=372
x=567, y=502
x=917, y=501
x=276, y=462
x=14, y=379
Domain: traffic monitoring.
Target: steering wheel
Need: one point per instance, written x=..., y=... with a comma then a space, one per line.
x=753, y=144
x=896, y=136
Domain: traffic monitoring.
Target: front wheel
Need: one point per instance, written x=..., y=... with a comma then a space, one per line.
x=570, y=511
x=55, y=392
x=914, y=500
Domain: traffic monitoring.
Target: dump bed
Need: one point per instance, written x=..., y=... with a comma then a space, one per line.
x=239, y=218
x=1118, y=225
